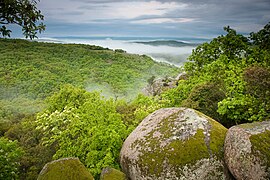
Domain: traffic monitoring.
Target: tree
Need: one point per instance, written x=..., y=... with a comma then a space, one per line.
x=232, y=45
x=23, y=13
x=262, y=38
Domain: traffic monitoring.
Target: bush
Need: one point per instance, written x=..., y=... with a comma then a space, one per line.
x=205, y=98
x=10, y=154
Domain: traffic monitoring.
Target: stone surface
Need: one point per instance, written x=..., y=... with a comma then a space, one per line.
x=65, y=168
x=159, y=85
x=175, y=143
x=247, y=151
x=112, y=174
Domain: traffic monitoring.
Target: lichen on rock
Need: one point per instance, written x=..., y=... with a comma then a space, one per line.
x=247, y=150
x=65, y=168
x=175, y=143
x=112, y=174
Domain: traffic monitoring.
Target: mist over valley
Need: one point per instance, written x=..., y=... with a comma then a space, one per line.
x=173, y=51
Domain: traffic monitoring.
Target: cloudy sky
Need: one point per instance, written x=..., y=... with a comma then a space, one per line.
x=158, y=18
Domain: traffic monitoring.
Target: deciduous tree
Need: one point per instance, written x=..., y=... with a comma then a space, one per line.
x=23, y=13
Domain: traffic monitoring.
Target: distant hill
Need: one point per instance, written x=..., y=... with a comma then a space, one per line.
x=172, y=43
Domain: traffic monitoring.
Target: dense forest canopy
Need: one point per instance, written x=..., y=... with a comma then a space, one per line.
x=227, y=79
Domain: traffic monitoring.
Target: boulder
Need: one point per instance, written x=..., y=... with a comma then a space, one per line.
x=247, y=150
x=65, y=168
x=175, y=143
x=112, y=174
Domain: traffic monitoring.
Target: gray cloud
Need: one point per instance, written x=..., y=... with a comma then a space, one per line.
x=169, y=17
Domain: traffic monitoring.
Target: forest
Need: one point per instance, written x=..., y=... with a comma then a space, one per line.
x=51, y=109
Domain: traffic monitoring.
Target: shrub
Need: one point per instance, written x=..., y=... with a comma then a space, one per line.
x=10, y=154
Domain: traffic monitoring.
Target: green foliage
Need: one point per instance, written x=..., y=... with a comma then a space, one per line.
x=10, y=153
x=262, y=38
x=205, y=98
x=239, y=71
x=258, y=82
x=227, y=79
x=90, y=129
x=23, y=13
x=39, y=69
x=174, y=97
x=144, y=106
x=35, y=154
x=232, y=45
x=32, y=71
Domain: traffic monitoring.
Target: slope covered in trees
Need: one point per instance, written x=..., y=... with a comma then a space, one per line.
x=31, y=71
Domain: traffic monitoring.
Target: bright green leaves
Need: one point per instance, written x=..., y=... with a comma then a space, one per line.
x=238, y=69
x=238, y=108
x=232, y=45
x=10, y=153
x=247, y=95
x=144, y=106
x=89, y=128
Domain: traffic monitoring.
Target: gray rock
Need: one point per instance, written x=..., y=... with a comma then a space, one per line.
x=65, y=168
x=247, y=151
x=157, y=86
x=175, y=143
x=182, y=76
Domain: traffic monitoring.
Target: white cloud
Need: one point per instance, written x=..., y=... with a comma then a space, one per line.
x=129, y=10
x=79, y=11
x=163, y=20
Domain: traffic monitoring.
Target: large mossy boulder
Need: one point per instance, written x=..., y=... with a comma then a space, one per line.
x=175, y=143
x=65, y=168
x=112, y=174
x=247, y=150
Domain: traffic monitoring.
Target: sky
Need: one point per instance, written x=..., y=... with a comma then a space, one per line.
x=152, y=18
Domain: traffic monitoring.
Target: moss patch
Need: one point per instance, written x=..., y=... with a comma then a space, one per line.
x=112, y=174
x=261, y=142
x=249, y=125
x=177, y=153
x=217, y=138
x=71, y=169
x=190, y=151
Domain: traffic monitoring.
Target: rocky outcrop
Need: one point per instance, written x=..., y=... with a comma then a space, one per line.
x=247, y=151
x=157, y=86
x=66, y=168
x=175, y=143
x=112, y=174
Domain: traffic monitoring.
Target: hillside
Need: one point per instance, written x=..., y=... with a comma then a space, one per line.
x=31, y=71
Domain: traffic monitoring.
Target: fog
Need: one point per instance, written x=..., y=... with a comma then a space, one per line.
x=172, y=55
